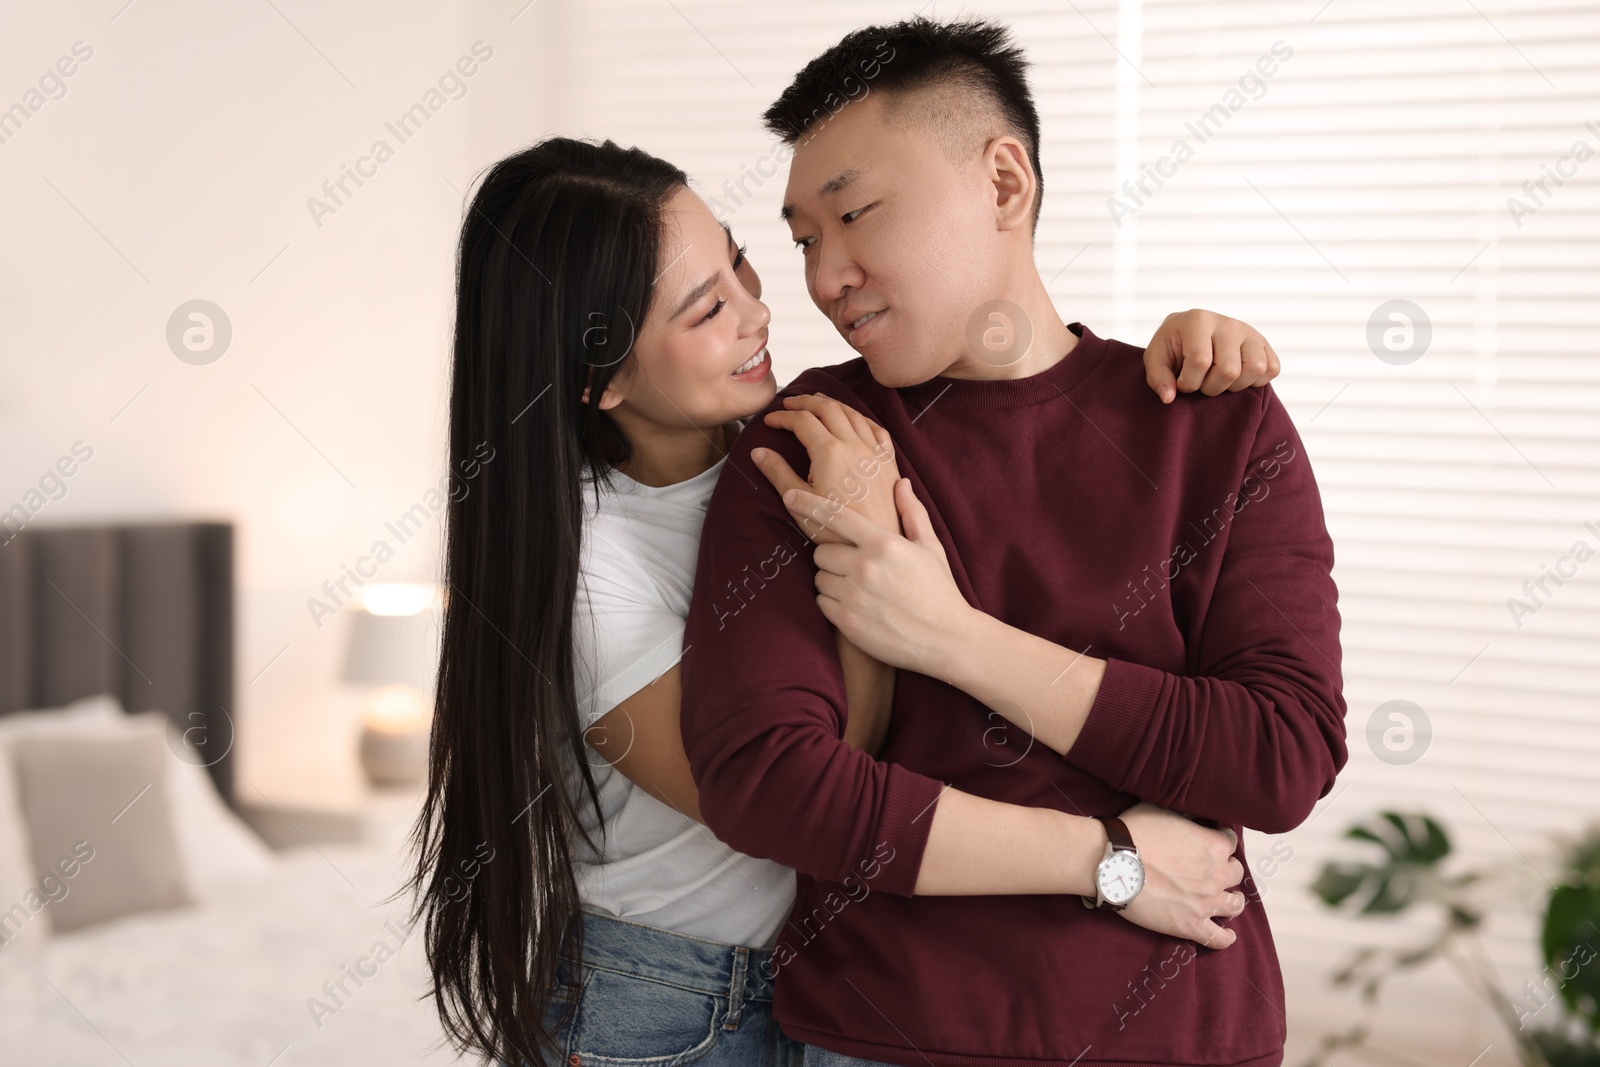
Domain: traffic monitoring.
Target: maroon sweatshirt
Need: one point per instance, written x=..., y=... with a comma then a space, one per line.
x=1185, y=545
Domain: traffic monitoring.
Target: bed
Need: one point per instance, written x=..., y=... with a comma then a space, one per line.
x=109, y=636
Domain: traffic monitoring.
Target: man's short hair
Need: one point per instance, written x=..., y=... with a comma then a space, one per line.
x=945, y=64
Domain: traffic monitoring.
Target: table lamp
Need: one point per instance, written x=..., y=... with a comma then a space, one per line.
x=394, y=650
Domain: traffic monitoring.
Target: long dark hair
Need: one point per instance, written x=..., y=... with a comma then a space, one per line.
x=554, y=275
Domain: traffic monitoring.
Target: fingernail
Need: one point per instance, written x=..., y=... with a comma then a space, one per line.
x=788, y=498
x=758, y=454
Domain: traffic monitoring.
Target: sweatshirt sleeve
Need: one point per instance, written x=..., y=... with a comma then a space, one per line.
x=764, y=699
x=1256, y=736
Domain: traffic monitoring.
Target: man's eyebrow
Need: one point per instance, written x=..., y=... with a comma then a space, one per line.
x=833, y=185
x=706, y=286
x=839, y=181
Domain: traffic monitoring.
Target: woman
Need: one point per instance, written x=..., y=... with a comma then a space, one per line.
x=609, y=343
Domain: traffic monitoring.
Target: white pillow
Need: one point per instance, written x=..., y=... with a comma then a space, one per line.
x=101, y=710
x=24, y=913
x=100, y=797
x=24, y=910
x=218, y=849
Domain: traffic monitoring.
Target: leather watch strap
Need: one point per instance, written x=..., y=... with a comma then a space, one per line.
x=1117, y=831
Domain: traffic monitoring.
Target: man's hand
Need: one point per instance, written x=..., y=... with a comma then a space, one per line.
x=852, y=462
x=893, y=595
x=1189, y=873
x=1212, y=353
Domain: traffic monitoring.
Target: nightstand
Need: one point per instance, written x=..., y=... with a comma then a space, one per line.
x=286, y=817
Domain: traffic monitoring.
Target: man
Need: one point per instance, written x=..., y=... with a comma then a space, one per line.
x=1143, y=589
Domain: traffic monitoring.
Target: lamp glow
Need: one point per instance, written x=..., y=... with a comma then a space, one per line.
x=397, y=598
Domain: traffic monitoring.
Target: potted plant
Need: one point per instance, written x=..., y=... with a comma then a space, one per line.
x=1552, y=1022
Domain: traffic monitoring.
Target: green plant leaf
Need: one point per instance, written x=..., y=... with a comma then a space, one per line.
x=1411, y=845
x=1571, y=943
x=1560, y=1050
x=1418, y=838
x=1338, y=880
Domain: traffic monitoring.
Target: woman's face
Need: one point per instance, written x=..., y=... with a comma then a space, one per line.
x=705, y=322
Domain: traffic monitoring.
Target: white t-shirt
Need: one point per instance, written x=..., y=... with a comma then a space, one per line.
x=658, y=867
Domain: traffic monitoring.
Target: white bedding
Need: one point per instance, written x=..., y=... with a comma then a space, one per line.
x=228, y=982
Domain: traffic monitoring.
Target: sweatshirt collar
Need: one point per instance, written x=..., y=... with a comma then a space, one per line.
x=1048, y=384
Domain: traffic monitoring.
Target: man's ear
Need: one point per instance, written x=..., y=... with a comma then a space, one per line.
x=1014, y=183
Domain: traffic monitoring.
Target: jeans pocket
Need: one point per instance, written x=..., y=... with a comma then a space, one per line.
x=559, y=1014
x=635, y=1022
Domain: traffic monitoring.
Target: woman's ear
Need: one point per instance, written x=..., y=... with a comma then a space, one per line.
x=616, y=389
x=1014, y=182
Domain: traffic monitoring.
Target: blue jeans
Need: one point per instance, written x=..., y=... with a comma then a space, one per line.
x=647, y=997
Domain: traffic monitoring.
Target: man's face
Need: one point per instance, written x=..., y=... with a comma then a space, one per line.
x=888, y=225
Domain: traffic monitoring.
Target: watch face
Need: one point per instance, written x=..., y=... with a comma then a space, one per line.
x=1119, y=877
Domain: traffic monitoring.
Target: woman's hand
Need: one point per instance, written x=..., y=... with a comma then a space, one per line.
x=852, y=462
x=1201, y=350
x=852, y=466
x=1189, y=872
x=892, y=595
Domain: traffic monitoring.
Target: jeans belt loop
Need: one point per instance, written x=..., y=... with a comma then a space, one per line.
x=741, y=957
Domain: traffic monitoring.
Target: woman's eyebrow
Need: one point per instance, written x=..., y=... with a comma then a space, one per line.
x=695, y=294
x=706, y=286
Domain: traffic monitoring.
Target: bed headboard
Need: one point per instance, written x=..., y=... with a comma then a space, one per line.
x=142, y=611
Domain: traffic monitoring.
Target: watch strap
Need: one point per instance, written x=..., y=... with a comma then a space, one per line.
x=1117, y=831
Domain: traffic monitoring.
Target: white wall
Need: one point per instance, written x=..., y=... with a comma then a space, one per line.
x=177, y=165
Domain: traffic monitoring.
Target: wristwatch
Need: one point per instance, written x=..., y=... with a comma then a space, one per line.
x=1120, y=874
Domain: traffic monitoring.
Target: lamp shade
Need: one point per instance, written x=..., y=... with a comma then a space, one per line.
x=389, y=649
